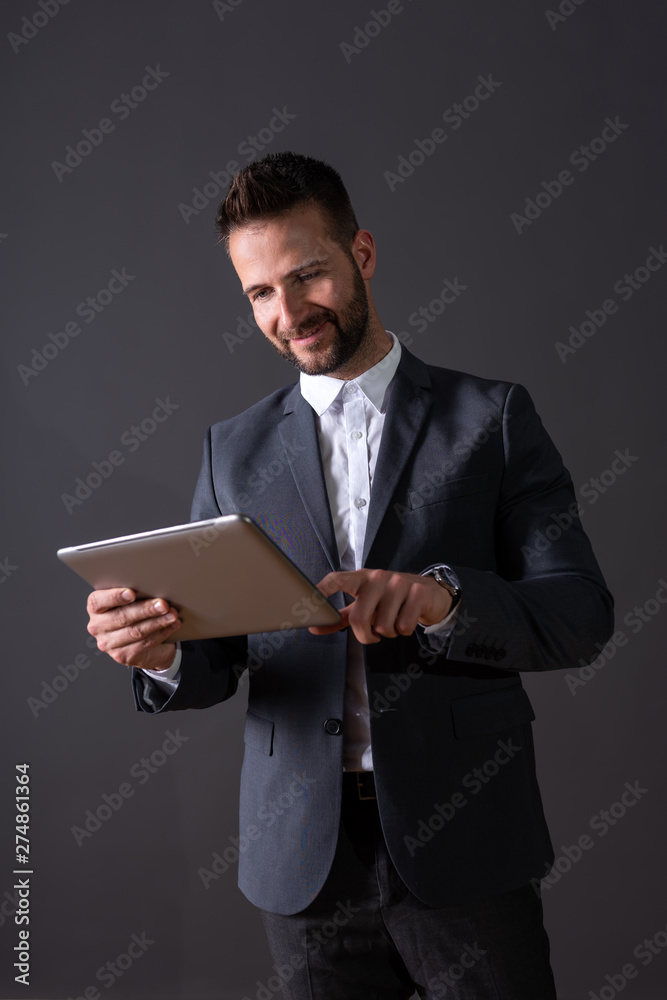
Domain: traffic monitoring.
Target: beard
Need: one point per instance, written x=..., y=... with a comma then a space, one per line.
x=350, y=326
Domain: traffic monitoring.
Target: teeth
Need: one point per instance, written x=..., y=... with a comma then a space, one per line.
x=305, y=336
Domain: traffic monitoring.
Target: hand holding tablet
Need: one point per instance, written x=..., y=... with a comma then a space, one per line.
x=134, y=633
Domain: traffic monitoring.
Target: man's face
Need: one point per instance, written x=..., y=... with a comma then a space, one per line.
x=307, y=294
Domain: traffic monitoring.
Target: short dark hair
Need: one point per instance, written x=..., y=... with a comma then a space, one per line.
x=281, y=182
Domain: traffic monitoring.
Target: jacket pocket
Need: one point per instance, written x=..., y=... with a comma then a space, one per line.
x=258, y=733
x=493, y=711
x=449, y=490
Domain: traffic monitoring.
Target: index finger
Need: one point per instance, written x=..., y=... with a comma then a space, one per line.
x=333, y=583
x=104, y=600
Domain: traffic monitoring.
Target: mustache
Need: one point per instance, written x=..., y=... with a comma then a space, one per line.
x=308, y=327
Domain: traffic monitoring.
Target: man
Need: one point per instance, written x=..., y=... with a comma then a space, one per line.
x=389, y=801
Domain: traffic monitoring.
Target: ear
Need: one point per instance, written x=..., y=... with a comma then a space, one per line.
x=363, y=251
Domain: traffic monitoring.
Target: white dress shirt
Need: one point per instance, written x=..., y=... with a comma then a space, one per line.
x=350, y=418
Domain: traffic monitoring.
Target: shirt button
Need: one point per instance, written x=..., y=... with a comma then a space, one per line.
x=355, y=435
x=333, y=727
x=360, y=502
x=350, y=388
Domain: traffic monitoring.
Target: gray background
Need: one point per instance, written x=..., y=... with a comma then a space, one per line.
x=163, y=337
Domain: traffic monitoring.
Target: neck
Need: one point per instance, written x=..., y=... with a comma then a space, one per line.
x=376, y=345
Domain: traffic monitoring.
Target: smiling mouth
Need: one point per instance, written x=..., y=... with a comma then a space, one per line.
x=308, y=338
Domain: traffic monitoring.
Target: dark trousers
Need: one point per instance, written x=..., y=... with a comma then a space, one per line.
x=366, y=937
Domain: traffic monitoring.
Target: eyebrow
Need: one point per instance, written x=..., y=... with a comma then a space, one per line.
x=316, y=261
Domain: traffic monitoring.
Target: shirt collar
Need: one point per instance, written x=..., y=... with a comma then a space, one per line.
x=321, y=390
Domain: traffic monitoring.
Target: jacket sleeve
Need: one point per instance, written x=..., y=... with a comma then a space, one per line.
x=546, y=606
x=210, y=668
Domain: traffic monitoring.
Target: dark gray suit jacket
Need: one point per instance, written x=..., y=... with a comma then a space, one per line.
x=466, y=475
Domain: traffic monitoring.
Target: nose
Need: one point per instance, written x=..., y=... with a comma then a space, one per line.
x=293, y=309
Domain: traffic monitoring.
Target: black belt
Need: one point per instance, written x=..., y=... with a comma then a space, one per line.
x=359, y=785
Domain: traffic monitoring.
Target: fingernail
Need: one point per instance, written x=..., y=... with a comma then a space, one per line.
x=159, y=606
x=171, y=617
x=127, y=595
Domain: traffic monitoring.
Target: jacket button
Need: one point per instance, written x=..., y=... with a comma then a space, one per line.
x=334, y=727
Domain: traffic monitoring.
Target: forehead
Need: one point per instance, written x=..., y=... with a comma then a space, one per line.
x=282, y=243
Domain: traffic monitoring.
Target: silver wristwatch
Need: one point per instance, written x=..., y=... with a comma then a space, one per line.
x=448, y=579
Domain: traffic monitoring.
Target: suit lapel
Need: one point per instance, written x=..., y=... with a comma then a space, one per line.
x=298, y=433
x=407, y=408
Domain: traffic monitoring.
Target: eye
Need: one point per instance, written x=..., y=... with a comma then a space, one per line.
x=261, y=295
x=308, y=275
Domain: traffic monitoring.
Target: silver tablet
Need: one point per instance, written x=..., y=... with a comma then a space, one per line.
x=225, y=576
